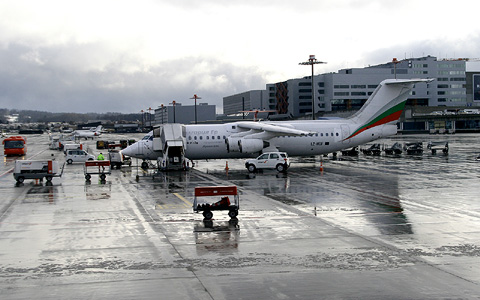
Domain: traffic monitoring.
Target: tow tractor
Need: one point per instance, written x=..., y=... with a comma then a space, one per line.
x=225, y=203
x=102, y=168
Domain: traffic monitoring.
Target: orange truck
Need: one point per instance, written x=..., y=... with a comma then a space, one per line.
x=15, y=145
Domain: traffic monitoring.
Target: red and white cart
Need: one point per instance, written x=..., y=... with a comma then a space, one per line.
x=224, y=203
x=101, y=168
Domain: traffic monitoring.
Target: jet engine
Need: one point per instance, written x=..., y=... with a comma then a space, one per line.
x=251, y=145
x=233, y=144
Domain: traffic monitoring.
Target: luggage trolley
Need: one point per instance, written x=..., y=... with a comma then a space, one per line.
x=97, y=167
x=225, y=203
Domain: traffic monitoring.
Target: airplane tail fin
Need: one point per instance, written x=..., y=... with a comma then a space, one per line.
x=385, y=105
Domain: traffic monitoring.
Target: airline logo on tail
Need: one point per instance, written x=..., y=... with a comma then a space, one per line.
x=398, y=89
x=388, y=116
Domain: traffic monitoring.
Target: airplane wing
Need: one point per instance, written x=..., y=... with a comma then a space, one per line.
x=275, y=130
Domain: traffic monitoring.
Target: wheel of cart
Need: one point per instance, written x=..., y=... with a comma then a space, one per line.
x=102, y=168
x=207, y=200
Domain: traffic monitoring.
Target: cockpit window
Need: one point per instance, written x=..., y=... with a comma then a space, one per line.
x=149, y=136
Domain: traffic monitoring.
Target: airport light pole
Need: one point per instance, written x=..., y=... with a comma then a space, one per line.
x=312, y=61
x=173, y=102
x=150, y=116
x=195, y=97
x=161, y=110
x=143, y=119
x=395, y=62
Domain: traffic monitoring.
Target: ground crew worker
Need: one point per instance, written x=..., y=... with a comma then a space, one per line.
x=101, y=157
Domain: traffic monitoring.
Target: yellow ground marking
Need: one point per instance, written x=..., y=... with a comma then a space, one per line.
x=185, y=204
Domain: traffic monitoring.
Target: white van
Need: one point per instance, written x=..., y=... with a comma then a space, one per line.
x=72, y=146
x=78, y=156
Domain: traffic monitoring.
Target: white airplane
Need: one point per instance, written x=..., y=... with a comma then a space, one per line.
x=94, y=132
x=376, y=119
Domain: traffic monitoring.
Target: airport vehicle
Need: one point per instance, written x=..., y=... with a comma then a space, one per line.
x=471, y=111
x=269, y=160
x=225, y=203
x=376, y=119
x=102, y=168
x=72, y=146
x=414, y=148
x=15, y=145
x=78, y=156
x=88, y=133
x=117, y=159
x=36, y=169
x=394, y=149
x=372, y=150
x=438, y=145
x=350, y=152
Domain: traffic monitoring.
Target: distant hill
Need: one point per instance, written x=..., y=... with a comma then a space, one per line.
x=26, y=116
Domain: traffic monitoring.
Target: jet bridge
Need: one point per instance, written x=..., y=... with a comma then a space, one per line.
x=169, y=139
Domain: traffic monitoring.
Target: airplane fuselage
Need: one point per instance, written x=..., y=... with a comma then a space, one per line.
x=209, y=141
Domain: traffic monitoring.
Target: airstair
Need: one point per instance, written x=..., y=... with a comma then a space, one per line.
x=170, y=140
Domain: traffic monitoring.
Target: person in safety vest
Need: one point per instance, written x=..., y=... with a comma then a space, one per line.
x=101, y=157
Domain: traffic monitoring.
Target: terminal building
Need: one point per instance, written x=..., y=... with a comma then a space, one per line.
x=185, y=114
x=431, y=107
x=348, y=89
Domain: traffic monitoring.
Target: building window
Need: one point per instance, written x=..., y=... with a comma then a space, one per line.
x=358, y=86
x=305, y=90
x=304, y=84
x=341, y=86
x=341, y=93
x=359, y=94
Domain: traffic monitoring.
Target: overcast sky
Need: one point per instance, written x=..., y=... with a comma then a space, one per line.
x=125, y=56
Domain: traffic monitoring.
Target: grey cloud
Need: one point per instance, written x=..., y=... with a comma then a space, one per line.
x=440, y=48
x=69, y=79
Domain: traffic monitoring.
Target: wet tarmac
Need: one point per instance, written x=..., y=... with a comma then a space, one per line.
x=367, y=227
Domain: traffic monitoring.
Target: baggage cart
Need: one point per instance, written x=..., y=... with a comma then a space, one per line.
x=101, y=168
x=36, y=169
x=201, y=204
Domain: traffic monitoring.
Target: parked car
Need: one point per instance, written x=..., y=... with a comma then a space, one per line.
x=78, y=156
x=269, y=160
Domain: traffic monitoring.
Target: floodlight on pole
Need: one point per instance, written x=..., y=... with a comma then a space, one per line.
x=312, y=61
x=395, y=62
x=195, y=97
x=161, y=110
x=173, y=102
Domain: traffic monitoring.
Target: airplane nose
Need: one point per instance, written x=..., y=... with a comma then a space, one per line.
x=129, y=151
